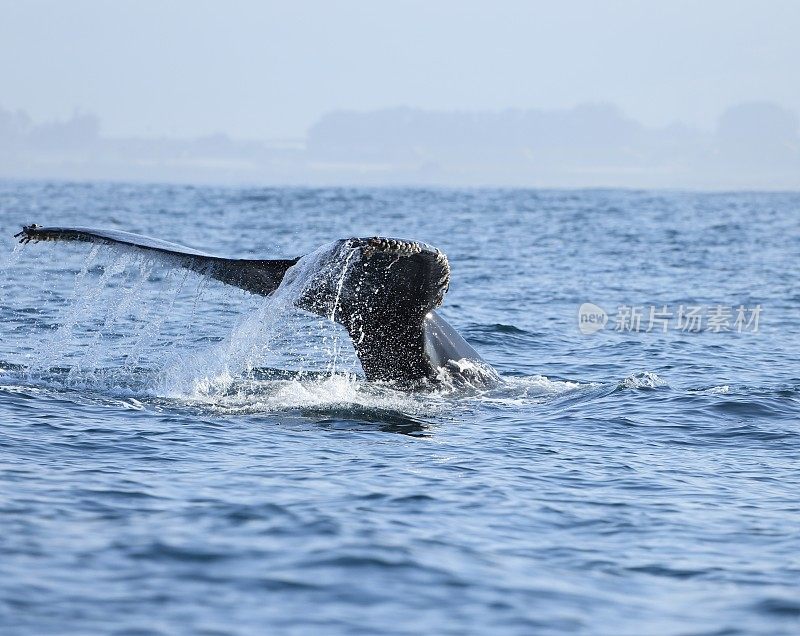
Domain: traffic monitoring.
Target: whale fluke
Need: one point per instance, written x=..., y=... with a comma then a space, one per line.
x=256, y=276
x=383, y=291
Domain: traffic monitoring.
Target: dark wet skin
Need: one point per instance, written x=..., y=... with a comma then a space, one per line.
x=384, y=297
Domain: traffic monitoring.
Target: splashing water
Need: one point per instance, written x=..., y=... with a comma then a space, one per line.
x=643, y=380
x=134, y=327
x=336, y=349
x=118, y=330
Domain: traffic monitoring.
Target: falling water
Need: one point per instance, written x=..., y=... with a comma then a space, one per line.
x=131, y=324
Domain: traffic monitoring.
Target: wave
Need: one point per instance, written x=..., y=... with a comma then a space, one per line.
x=643, y=380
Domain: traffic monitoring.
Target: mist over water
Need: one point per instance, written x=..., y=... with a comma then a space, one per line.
x=753, y=145
x=182, y=457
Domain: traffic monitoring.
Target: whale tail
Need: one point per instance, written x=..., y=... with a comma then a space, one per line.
x=256, y=276
x=383, y=291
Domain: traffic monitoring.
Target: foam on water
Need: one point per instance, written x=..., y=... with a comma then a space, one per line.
x=714, y=390
x=643, y=380
x=325, y=392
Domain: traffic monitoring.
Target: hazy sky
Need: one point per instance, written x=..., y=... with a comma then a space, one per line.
x=265, y=69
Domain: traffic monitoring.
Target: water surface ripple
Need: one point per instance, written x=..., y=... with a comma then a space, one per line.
x=180, y=457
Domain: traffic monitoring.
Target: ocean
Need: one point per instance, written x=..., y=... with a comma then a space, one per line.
x=180, y=457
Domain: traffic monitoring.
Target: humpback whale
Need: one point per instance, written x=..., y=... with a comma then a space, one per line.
x=384, y=291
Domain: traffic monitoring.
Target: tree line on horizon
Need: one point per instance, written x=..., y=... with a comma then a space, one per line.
x=755, y=144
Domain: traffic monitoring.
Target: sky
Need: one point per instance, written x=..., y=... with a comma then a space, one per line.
x=269, y=70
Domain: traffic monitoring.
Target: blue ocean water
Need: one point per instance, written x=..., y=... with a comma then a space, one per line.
x=180, y=457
